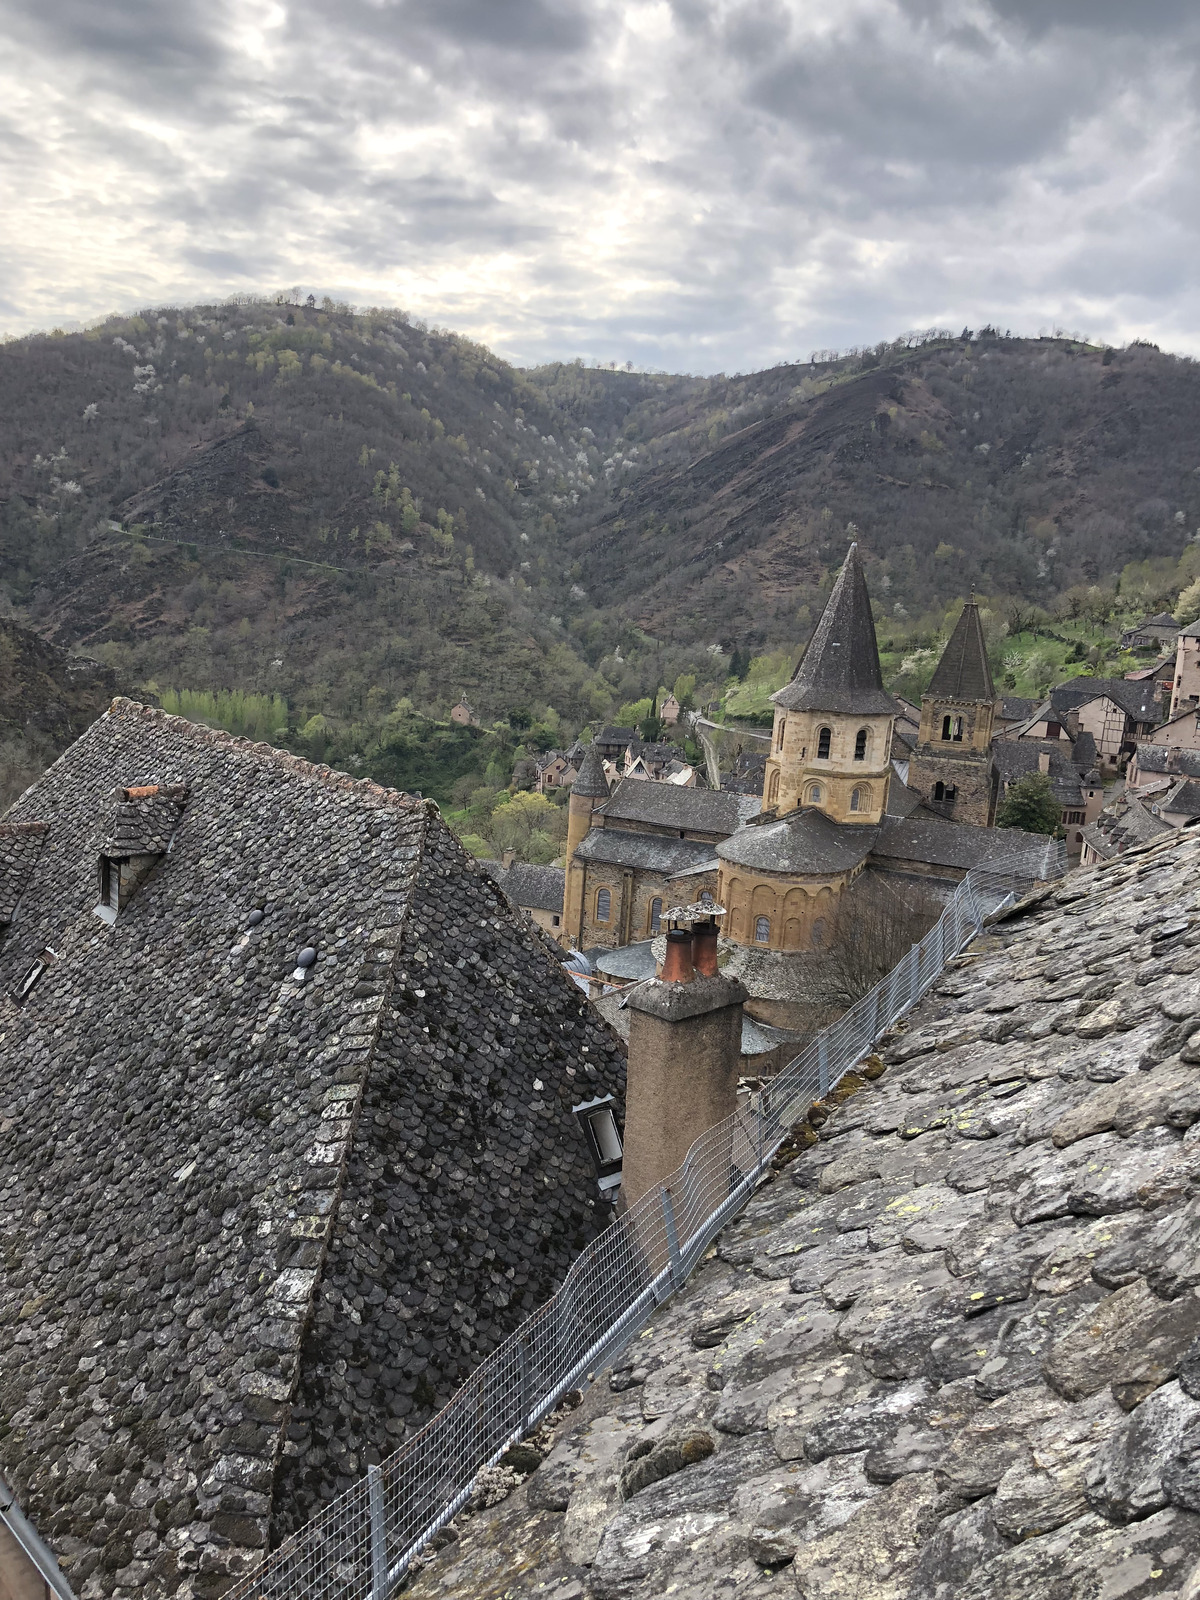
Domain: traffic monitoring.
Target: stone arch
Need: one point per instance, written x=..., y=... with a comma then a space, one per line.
x=773, y=788
x=862, y=742
x=824, y=743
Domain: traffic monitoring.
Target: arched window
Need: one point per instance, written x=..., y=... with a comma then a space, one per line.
x=655, y=914
x=762, y=930
x=957, y=733
x=858, y=799
x=860, y=744
x=946, y=721
x=603, y=905
x=824, y=739
x=939, y=790
x=815, y=794
x=706, y=898
x=773, y=789
x=779, y=727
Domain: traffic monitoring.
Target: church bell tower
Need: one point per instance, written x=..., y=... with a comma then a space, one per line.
x=952, y=767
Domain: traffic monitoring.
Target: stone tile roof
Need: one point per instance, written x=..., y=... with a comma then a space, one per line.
x=256, y=1228
x=143, y=819
x=670, y=806
x=1135, y=698
x=621, y=847
x=962, y=845
x=1014, y=708
x=590, y=779
x=535, y=888
x=1127, y=823
x=964, y=672
x=1168, y=758
x=1016, y=757
x=839, y=671
x=1183, y=799
x=805, y=841
x=20, y=844
x=950, y=1351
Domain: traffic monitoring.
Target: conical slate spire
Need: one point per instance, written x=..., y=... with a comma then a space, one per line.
x=963, y=673
x=840, y=669
x=591, y=780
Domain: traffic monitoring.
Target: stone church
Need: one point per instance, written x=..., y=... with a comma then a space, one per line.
x=837, y=829
x=834, y=806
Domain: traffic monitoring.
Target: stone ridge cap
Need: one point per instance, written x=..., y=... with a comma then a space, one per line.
x=123, y=709
x=10, y=830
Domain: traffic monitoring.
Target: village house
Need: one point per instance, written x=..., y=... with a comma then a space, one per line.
x=1117, y=712
x=1071, y=767
x=286, y=1143
x=462, y=715
x=669, y=711
x=1161, y=793
x=1154, y=633
x=1012, y=711
x=555, y=770
x=535, y=890
x=1185, y=688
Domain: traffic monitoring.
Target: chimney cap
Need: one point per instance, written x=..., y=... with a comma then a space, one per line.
x=697, y=911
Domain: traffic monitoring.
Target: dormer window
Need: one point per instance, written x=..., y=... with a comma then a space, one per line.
x=139, y=833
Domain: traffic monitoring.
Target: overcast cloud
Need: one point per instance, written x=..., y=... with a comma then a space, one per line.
x=691, y=184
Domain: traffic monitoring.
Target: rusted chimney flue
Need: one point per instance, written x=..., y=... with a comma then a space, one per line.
x=677, y=964
x=704, y=948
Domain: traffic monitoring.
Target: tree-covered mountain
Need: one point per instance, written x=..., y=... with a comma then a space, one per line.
x=347, y=519
x=1024, y=468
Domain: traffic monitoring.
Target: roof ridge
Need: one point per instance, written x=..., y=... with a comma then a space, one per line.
x=127, y=710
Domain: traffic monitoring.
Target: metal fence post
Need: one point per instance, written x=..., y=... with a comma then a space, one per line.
x=523, y=1358
x=823, y=1062
x=672, y=1235
x=379, y=1563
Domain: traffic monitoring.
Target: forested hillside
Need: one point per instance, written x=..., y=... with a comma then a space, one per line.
x=323, y=526
x=1024, y=468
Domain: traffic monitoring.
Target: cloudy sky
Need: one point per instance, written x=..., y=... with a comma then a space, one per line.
x=689, y=184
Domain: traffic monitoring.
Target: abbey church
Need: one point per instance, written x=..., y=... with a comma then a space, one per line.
x=837, y=827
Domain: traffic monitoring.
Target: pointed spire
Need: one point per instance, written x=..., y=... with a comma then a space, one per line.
x=964, y=672
x=591, y=780
x=840, y=669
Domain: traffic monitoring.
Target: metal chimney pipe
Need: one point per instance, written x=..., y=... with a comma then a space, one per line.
x=677, y=965
x=704, y=948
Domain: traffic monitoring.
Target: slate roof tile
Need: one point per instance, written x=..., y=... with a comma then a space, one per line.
x=879, y=1431
x=255, y=1228
x=667, y=805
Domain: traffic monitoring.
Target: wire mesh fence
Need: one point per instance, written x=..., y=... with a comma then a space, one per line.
x=362, y=1544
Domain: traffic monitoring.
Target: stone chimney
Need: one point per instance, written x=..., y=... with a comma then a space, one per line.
x=685, y=1043
x=1043, y=761
x=507, y=858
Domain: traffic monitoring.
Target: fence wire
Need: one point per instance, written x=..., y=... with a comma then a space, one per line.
x=361, y=1545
